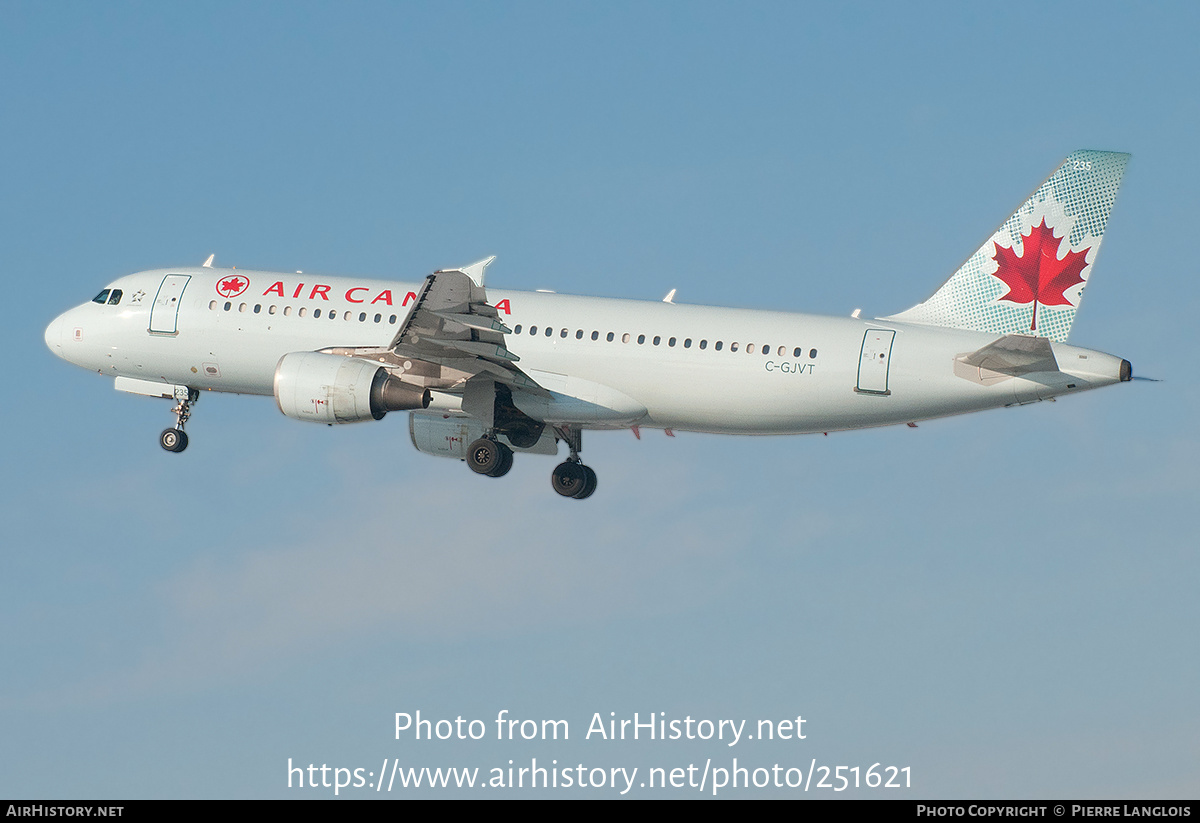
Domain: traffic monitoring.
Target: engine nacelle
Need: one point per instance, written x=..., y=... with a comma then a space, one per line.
x=449, y=436
x=331, y=388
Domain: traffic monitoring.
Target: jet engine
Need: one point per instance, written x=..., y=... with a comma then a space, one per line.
x=450, y=435
x=331, y=388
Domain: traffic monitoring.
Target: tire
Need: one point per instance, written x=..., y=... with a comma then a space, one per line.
x=484, y=456
x=506, y=462
x=568, y=478
x=173, y=440
x=589, y=484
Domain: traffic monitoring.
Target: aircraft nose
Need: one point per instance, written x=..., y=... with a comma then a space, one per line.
x=54, y=334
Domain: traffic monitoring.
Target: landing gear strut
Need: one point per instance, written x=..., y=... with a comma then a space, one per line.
x=571, y=478
x=490, y=457
x=176, y=439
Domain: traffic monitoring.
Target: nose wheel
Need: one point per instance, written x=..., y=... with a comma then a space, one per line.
x=173, y=440
x=176, y=439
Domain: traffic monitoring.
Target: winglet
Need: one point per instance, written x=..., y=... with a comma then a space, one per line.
x=208, y=263
x=476, y=270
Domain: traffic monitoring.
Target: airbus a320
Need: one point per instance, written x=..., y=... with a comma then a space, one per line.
x=485, y=373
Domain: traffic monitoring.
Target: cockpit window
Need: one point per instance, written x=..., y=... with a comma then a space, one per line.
x=102, y=297
x=115, y=297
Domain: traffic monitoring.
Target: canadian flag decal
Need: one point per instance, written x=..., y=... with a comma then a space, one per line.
x=1038, y=275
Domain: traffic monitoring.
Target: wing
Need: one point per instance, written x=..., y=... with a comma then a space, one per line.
x=450, y=335
x=452, y=325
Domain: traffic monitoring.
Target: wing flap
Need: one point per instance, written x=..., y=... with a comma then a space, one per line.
x=452, y=324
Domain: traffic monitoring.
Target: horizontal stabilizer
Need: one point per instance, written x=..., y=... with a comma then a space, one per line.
x=1014, y=355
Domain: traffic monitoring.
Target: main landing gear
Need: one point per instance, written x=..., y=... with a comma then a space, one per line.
x=176, y=439
x=488, y=456
x=571, y=478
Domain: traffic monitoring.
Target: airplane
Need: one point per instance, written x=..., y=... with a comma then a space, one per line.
x=485, y=373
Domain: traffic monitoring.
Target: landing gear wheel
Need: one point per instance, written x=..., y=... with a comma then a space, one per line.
x=173, y=440
x=569, y=478
x=486, y=456
x=589, y=483
x=506, y=462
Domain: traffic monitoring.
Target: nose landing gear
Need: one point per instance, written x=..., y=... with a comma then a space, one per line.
x=176, y=439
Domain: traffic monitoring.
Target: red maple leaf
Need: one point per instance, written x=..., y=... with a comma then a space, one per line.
x=1038, y=276
x=232, y=286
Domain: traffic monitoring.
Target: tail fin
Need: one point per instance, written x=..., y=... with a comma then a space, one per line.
x=1028, y=278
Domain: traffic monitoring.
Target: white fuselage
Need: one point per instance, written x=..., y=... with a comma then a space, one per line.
x=694, y=368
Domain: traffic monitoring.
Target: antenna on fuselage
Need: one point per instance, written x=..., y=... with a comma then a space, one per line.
x=208, y=263
x=670, y=298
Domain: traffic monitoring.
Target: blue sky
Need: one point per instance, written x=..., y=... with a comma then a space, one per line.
x=1002, y=602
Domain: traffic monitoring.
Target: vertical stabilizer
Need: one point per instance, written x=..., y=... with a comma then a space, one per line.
x=1029, y=277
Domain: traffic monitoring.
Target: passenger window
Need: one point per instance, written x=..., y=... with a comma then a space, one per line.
x=287, y=311
x=303, y=311
x=316, y=312
x=579, y=334
x=671, y=342
x=563, y=334
x=812, y=353
x=749, y=348
x=378, y=317
x=796, y=352
x=595, y=335
x=610, y=337
x=212, y=304
x=257, y=308
x=271, y=309
x=102, y=297
x=533, y=329
x=703, y=344
x=657, y=339
x=687, y=344
x=625, y=337
x=392, y=320
x=362, y=317
x=516, y=329
x=733, y=346
x=719, y=345
x=242, y=307
x=115, y=297
x=228, y=305
x=549, y=331
x=641, y=339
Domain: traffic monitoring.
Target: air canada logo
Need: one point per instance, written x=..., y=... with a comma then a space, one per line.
x=1038, y=275
x=232, y=286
